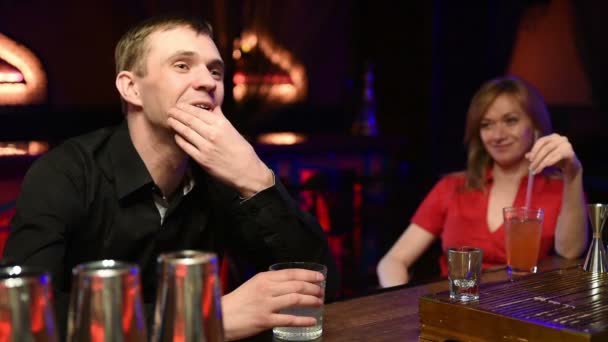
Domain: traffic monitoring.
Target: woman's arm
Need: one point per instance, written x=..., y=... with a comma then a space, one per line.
x=571, y=233
x=393, y=267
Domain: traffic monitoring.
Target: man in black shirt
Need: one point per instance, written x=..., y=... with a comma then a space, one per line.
x=175, y=175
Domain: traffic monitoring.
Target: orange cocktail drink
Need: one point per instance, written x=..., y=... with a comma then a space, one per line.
x=523, y=229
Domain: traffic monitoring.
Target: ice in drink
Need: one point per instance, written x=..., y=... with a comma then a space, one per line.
x=464, y=289
x=301, y=333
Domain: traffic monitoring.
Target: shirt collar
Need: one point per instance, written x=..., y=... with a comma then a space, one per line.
x=130, y=172
x=189, y=182
x=489, y=175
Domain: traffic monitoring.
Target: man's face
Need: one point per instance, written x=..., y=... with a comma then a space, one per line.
x=181, y=67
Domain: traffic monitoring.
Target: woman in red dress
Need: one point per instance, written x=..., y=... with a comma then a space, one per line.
x=465, y=208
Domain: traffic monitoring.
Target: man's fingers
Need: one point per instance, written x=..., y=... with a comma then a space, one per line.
x=291, y=301
x=190, y=127
x=301, y=287
x=187, y=147
x=179, y=113
x=283, y=320
x=186, y=132
x=295, y=300
x=218, y=111
x=203, y=115
x=296, y=274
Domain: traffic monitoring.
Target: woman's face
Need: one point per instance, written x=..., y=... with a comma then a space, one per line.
x=506, y=131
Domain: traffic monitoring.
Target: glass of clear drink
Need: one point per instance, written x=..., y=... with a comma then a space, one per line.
x=302, y=333
x=464, y=272
x=523, y=230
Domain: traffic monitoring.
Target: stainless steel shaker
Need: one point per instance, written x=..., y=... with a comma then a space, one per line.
x=188, y=303
x=106, y=304
x=26, y=305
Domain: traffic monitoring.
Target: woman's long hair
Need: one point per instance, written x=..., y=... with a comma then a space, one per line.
x=528, y=98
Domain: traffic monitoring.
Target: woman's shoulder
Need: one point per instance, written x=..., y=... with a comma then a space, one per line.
x=455, y=178
x=452, y=181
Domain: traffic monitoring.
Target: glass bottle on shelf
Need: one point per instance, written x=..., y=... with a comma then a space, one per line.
x=365, y=120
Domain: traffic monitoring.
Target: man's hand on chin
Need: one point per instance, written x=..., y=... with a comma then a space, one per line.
x=211, y=140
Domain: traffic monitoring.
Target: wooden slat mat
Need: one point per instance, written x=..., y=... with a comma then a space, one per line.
x=568, y=304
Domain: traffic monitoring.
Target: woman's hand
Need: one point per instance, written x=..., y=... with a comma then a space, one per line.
x=554, y=150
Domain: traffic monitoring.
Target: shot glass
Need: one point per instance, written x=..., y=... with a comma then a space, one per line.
x=523, y=230
x=301, y=333
x=464, y=269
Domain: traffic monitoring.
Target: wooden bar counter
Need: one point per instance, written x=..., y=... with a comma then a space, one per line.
x=392, y=315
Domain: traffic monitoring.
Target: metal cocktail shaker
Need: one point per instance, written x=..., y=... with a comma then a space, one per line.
x=105, y=303
x=26, y=305
x=188, y=304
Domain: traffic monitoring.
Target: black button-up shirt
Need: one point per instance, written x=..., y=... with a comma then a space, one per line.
x=91, y=198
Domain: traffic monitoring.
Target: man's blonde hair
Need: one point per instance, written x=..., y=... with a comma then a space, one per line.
x=131, y=49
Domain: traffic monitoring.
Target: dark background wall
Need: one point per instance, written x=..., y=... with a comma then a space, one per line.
x=428, y=58
x=334, y=39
